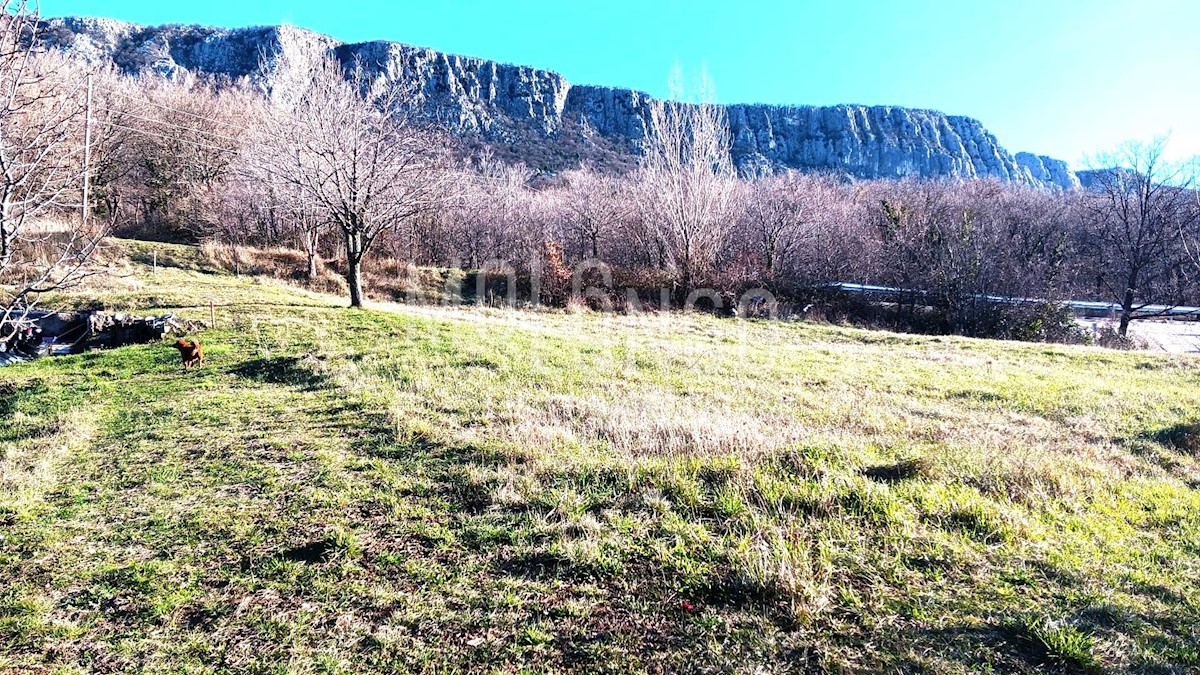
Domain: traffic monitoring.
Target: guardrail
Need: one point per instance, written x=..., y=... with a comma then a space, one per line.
x=1091, y=307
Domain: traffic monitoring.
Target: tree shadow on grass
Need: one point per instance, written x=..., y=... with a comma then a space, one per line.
x=1006, y=646
x=1172, y=448
x=295, y=371
x=1183, y=437
x=1065, y=635
x=640, y=590
x=374, y=432
x=893, y=473
x=11, y=395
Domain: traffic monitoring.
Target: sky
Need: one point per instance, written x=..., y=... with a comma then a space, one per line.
x=1065, y=78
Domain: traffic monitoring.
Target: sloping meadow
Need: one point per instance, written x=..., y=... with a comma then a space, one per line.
x=446, y=488
x=890, y=495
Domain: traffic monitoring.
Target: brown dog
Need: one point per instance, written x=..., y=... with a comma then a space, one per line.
x=191, y=352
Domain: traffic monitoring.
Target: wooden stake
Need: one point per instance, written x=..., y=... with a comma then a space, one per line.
x=212, y=314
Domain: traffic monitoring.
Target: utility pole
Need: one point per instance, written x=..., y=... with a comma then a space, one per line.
x=87, y=153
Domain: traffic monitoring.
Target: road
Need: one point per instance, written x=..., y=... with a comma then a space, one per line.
x=1176, y=337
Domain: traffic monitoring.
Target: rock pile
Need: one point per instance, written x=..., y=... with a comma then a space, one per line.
x=58, y=333
x=113, y=330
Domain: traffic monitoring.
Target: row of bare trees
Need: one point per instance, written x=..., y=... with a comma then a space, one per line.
x=334, y=157
x=330, y=162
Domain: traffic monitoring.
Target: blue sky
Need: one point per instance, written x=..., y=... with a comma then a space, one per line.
x=1066, y=78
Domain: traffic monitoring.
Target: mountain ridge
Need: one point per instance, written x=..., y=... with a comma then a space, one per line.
x=537, y=116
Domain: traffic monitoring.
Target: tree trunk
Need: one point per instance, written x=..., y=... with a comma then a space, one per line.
x=354, y=255
x=1126, y=312
x=8, y=230
x=311, y=242
x=236, y=257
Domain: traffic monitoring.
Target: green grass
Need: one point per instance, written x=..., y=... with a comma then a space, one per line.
x=458, y=489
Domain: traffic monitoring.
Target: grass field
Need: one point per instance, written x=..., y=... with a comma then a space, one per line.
x=472, y=490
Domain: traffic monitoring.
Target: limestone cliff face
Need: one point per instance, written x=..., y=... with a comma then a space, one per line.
x=466, y=94
x=536, y=115
x=177, y=51
x=1049, y=171
x=615, y=113
x=869, y=142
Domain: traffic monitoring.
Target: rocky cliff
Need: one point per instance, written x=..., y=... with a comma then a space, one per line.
x=538, y=117
x=1049, y=171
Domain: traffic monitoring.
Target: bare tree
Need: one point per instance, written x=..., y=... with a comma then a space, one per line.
x=188, y=139
x=42, y=122
x=311, y=226
x=1035, y=253
x=594, y=205
x=782, y=215
x=256, y=207
x=115, y=140
x=1190, y=238
x=977, y=257
x=353, y=158
x=1137, y=217
x=493, y=210
x=688, y=184
x=838, y=245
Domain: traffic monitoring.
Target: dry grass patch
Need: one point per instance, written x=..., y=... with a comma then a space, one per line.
x=30, y=449
x=646, y=423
